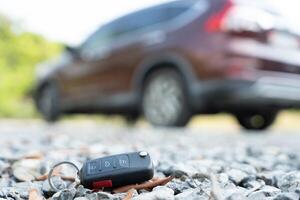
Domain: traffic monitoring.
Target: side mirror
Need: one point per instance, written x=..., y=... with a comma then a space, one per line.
x=73, y=51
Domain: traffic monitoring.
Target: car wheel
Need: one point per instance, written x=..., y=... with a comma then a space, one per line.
x=256, y=121
x=131, y=119
x=48, y=103
x=164, y=101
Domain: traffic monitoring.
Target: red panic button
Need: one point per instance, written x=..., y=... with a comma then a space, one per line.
x=101, y=184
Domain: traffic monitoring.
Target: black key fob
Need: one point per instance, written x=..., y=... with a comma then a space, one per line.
x=117, y=170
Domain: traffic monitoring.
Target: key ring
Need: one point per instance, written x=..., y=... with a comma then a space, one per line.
x=56, y=165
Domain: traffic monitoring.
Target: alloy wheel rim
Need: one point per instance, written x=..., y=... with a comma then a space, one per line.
x=163, y=100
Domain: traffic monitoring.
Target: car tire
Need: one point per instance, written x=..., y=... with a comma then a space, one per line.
x=48, y=103
x=131, y=119
x=165, y=99
x=256, y=121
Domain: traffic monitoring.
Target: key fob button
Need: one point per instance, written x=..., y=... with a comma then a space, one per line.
x=115, y=163
x=107, y=164
x=143, y=154
x=123, y=161
x=93, y=167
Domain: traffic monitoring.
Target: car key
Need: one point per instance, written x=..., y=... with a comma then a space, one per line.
x=117, y=170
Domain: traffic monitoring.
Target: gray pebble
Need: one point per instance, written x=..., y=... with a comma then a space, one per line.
x=64, y=195
x=236, y=196
x=57, y=181
x=270, y=191
x=23, y=188
x=3, y=166
x=237, y=176
x=191, y=194
x=259, y=195
x=101, y=196
x=158, y=193
x=81, y=191
x=105, y=196
x=178, y=186
x=287, y=196
x=81, y=198
x=289, y=182
x=6, y=182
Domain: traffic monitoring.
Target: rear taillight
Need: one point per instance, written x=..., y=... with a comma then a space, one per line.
x=216, y=21
x=234, y=17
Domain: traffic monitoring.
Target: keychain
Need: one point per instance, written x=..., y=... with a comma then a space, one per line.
x=111, y=171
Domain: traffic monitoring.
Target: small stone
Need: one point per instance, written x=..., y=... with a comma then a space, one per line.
x=253, y=152
x=178, y=186
x=3, y=166
x=244, y=167
x=64, y=195
x=26, y=170
x=268, y=178
x=101, y=196
x=259, y=195
x=23, y=174
x=287, y=196
x=81, y=198
x=105, y=196
x=92, y=196
x=297, y=191
x=57, y=181
x=191, y=194
x=123, y=195
x=144, y=191
x=237, y=176
x=164, y=168
x=250, y=183
x=179, y=174
x=15, y=196
x=236, y=196
x=270, y=191
x=289, y=182
x=81, y=191
x=223, y=178
x=200, y=181
x=5, y=182
x=5, y=191
x=158, y=193
x=23, y=188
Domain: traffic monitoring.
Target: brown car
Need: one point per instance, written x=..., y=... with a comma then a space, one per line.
x=172, y=61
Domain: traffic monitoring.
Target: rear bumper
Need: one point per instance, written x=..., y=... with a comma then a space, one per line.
x=267, y=91
x=273, y=90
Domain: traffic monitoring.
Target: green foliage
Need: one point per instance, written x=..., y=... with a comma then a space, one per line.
x=19, y=54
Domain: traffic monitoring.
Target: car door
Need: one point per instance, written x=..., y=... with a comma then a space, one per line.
x=111, y=56
x=133, y=37
x=127, y=49
x=82, y=74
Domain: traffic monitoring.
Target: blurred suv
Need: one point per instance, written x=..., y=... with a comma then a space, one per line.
x=172, y=61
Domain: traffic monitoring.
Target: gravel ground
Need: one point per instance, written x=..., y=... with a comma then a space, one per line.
x=208, y=163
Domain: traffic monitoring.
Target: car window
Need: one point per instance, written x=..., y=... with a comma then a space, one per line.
x=98, y=39
x=170, y=13
x=137, y=21
x=148, y=17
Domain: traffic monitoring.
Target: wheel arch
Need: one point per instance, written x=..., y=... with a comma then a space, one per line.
x=168, y=60
x=40, y=86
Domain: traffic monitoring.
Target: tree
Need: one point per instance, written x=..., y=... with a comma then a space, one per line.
x=20, y=52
